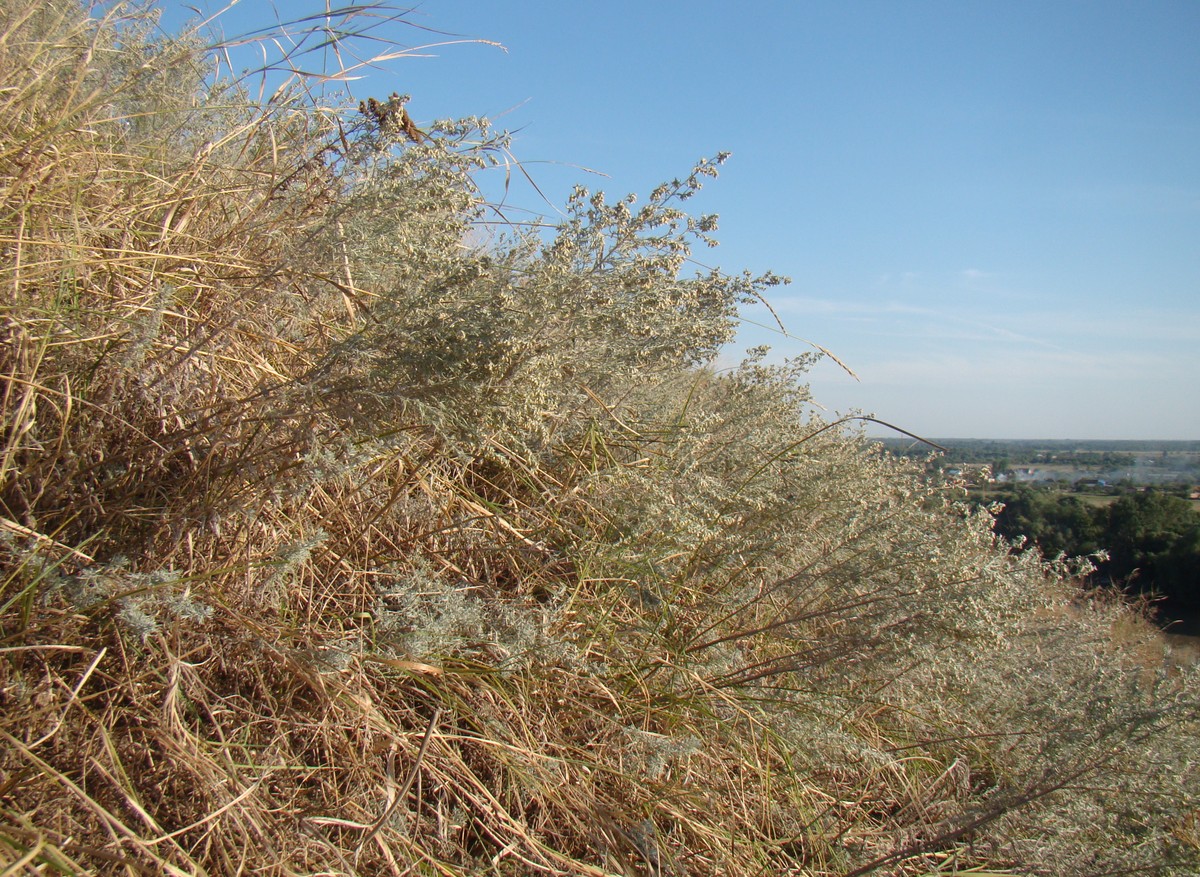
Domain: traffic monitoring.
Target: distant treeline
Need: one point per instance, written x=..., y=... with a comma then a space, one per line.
x=1016, y=447
x=1182, y=457
x=1151, y=538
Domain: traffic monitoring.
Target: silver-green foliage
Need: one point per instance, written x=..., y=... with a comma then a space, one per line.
x=837, y=582
x=832, y=577
x=511, y=340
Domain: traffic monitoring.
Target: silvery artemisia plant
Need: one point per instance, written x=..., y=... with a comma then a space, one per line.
x=421, y=614
x=608, y=294
x=512, y=342
x=140, y=602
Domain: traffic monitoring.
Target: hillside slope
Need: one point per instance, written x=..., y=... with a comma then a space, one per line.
x=340, y=537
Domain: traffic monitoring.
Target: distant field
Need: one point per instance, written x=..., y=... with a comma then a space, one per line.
x=1100, y=501
x=1095, y=500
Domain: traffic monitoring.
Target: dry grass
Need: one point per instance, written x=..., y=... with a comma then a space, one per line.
x=308, y=566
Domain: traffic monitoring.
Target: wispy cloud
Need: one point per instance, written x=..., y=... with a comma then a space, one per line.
x=1031, y=368
x=1024, y=394
x=974, y=275
x=904, y=321
x=973, y=321
x=974, y=362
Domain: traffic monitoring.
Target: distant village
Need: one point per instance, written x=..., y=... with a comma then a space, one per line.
x=1087, y=467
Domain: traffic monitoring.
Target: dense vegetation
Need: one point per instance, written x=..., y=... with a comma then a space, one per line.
x=1146, y=541
x=342, y=535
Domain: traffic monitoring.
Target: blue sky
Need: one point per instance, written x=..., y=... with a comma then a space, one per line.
x=989, y=210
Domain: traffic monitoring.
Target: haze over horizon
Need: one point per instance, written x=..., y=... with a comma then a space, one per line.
x=990, y=211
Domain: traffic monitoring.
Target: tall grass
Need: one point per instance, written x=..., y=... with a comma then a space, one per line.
x=335, y=542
